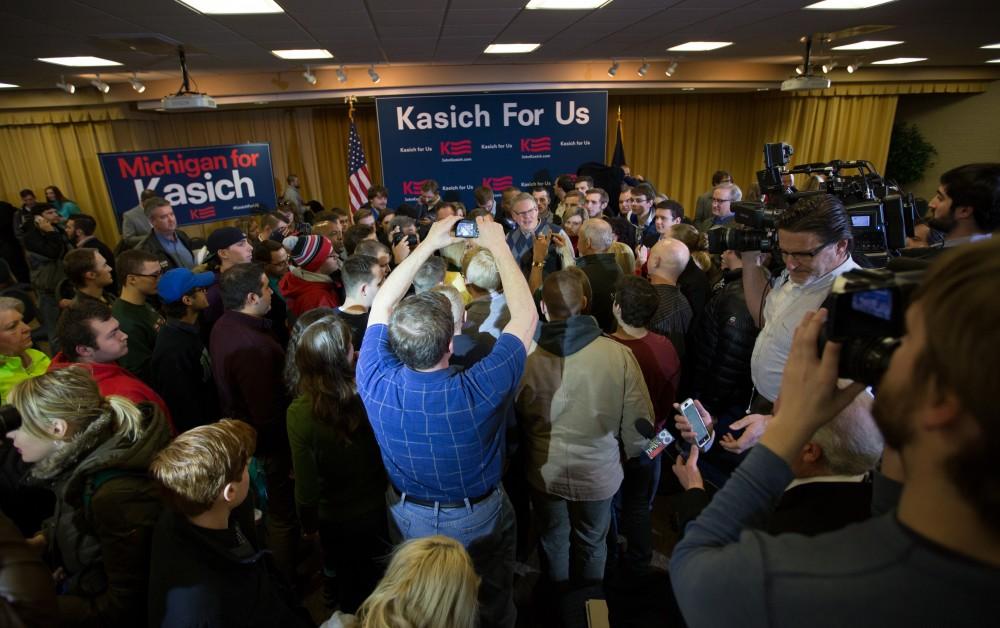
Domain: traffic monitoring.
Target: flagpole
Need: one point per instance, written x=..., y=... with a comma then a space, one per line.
x=350, y=100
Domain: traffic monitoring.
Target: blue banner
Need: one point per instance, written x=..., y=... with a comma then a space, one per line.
x=467, y=140
x=203, y=184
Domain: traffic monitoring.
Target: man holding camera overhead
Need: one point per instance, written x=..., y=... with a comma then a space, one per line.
x=814, y=241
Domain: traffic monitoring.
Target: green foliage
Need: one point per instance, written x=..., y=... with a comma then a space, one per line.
x=910, y=155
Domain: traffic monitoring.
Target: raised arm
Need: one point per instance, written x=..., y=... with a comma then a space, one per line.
x=523, y=317
x=399, y=280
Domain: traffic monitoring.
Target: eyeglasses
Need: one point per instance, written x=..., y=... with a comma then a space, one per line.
x=156, y=275
x=720, y=201
x=525, y=213
x=800, y=256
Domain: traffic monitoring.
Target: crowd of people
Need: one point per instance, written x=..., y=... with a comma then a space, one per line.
x=186, y=418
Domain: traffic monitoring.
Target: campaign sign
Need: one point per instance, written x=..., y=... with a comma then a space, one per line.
x=464, y=141
x=203, y=184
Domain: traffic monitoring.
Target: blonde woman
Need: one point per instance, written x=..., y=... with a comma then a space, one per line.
x=430, y=583
x=92, y=452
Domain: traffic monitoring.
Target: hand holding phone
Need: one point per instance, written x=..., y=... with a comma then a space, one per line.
x=694, y=422
x=687, y=471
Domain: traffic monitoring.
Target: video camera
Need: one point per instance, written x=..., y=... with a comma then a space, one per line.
x=867, y=310
x=881, y=216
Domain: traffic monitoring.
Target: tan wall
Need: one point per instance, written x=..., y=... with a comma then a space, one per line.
x=963, y=128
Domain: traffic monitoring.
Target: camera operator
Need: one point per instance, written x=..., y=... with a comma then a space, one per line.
x=814, y=241
x=932, y=556
x=966, y=207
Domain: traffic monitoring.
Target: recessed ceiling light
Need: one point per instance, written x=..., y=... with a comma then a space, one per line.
x=899, y=61
x=79, y=62
x=566, y=4
x=311, y=53
x=700, y=46
x=847, y=5
x=233, y=7
x=763, y=89
x=6, y=85
x=990, y=61
x=687, y=89
x=506, y=49
x=991, y=46
x=868, y=44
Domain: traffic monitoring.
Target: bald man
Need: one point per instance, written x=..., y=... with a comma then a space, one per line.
x=667, y=260
x=601, y=268
x=581, y=394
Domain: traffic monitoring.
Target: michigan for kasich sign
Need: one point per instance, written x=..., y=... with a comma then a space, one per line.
x=203, y=184
x=467, y=140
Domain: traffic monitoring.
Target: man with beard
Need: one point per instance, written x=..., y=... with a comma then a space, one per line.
x=965, y=208
x=933, y=558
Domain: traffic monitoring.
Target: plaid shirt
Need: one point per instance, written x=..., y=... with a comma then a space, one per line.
x=441, y=433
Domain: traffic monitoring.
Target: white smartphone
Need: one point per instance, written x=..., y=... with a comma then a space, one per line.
x=693, y=417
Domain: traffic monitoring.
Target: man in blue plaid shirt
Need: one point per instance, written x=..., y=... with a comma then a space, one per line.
x=440, y=430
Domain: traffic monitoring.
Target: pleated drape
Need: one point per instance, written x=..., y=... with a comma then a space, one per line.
x=675, y=141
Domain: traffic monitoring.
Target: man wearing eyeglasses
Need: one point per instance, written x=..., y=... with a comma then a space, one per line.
x=814, y=241
x=140, y=272
x=524, y=211
x=723, y=197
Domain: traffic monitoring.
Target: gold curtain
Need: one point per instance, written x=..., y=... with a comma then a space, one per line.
x=63, y=151
x=332, y=126
x=677, y=141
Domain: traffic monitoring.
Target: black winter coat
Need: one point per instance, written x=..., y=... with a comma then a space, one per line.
x=195, y=581
x=724, y=342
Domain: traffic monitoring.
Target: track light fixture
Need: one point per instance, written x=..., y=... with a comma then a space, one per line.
x=341, y=74
x=613, y=69
x=643, y=69
x=828, y=66
x=671, y=69
x=853, y=67
x=373, y=74
x=800, y=69
x=69, y=88
x=309, y=76
x=137, y=85
x=101, y=86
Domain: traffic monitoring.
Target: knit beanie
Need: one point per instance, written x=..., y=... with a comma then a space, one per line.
x=308, y=251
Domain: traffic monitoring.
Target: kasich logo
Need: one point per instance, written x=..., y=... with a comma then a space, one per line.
x=202, y=214
x=498, y=184
x=413, y=187
x=536, y=144
x=455, y=149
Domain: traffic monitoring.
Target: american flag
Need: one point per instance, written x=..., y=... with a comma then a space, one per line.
x=358, y=179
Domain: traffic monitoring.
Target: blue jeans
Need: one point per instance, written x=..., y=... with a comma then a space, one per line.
x=632, y=517
x=573, y=535
x=488, y=531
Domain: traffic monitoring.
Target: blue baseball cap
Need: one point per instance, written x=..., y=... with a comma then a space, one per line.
x=177, y=282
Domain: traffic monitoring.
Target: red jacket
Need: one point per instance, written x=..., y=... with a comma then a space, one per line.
x=303, y=295
x=114, y=380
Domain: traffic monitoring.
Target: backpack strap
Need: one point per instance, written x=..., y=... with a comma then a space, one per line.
x=100, y=478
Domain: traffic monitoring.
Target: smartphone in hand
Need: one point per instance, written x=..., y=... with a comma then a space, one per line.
x=690, y=412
